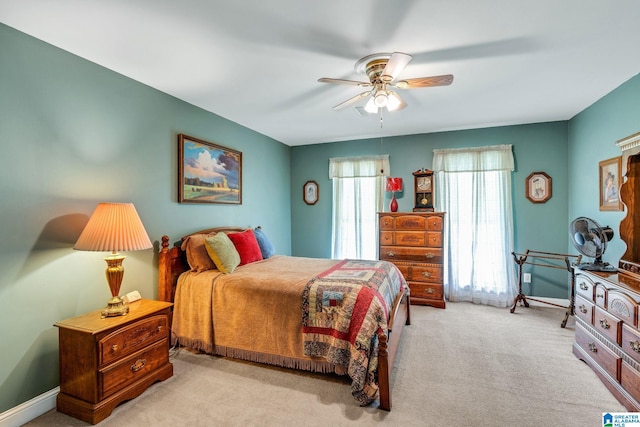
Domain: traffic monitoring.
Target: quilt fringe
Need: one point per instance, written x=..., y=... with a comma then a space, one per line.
x=316, y=365
x=277, y=360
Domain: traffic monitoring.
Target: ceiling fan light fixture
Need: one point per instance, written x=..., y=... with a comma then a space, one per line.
x=394, y=101
x=371, y=106
x=381, y=99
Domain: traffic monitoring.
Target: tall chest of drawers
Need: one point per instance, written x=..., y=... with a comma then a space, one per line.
x=607, y=335
x=414, y=242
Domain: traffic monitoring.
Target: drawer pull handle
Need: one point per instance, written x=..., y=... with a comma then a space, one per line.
x=604, y=324
x=430, y=291
x=138, y=365
x=391, y=253
x=426, y=274
x=584, y=287
x=115, y=348
x=593, y=348
x=635, y=346
x=429, y=256
x=159, y=329
x=583, y=309
x=599, y=295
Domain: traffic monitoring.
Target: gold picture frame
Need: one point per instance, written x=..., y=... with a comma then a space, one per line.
x=538, y=187
x=610, y=171
x=207, y=172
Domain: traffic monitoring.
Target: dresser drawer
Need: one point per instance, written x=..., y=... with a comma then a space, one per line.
x=598, y=351
x=410, y=238
x=623, y=307
x=585, y=287
x=426, y=290
x=600, y=295
x=630, y=380
x=631, y=342
x=386, y=222
x=584, y=309
x=431, y=273
x=410, y=222
x=407, y=253
x=608, y=325
x=117, y=376
x=132, y=338
x=434, y=223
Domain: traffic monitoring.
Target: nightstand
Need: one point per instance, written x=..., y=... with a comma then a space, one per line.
x=104, y=362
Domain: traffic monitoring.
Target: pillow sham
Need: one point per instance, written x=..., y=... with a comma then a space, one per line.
x=197, y=256
x=247, y=246
x=222, y=252
x=266, y=247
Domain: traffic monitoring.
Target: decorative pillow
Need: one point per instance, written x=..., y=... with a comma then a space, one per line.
x=266, y=247
x=197, y=256
x=222, y=252
x=247, y=246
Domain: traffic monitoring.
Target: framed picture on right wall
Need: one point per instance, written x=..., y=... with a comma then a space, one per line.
x=610, y=171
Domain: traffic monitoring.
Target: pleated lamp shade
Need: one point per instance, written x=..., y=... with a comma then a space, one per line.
x=114, y=227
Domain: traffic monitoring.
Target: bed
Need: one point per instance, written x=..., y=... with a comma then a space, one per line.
x=282, y=311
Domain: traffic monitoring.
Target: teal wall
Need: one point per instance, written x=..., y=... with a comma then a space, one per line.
x=536, y=147
x=73, y=134
x=592, y=137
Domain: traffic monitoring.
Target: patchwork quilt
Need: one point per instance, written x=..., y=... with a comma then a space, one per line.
x=344, y=310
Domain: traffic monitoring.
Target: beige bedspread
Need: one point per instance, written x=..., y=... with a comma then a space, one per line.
x=253, y=313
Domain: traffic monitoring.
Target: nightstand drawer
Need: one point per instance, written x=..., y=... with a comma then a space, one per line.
x=116, y=377
x=407, y=253
x=132, y=338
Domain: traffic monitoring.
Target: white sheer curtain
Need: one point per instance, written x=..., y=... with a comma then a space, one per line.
x=473, y=186
x=358, y=194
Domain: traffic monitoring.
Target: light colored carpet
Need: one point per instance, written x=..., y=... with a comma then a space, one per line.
x=467, y=365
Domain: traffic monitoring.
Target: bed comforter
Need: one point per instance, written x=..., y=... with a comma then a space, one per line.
x=257, y=313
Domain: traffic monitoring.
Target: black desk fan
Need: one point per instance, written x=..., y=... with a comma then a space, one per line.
x=590, y=239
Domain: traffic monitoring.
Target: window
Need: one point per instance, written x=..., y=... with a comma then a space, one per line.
x=358, y=195
x=473, y=186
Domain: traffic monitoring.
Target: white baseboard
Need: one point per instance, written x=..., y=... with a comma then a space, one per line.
x=557, y=301
x=30, y=409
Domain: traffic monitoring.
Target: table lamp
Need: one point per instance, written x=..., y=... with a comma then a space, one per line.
x=393, y=185
x=114, y=227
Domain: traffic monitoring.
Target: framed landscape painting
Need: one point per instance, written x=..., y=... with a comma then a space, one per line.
x=208, y=173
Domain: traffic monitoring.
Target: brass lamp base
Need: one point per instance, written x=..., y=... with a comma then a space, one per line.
x=115, y=307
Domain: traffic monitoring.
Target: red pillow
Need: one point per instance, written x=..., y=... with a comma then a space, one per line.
x=247, y=246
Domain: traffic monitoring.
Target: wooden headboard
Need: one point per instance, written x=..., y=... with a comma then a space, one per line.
x=172, y=262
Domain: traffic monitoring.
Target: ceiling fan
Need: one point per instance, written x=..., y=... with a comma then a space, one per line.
x=383, y=70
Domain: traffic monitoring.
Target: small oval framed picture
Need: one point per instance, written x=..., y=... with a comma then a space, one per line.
x=310, y=192
x=538, y=187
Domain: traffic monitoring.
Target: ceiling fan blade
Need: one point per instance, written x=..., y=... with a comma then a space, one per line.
x=351, y=100
x=394, y=67
x=444, y=80
x=344, y=82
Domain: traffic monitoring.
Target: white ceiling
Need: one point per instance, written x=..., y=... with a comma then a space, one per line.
x=257, y=62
